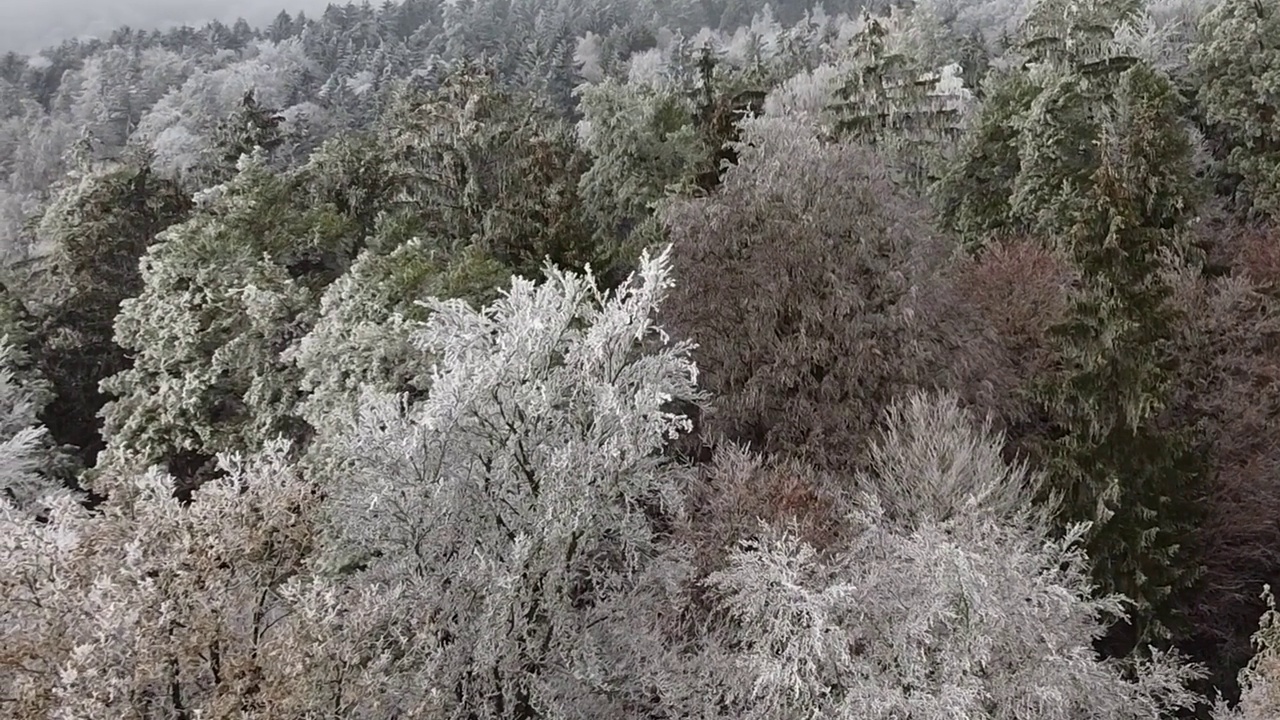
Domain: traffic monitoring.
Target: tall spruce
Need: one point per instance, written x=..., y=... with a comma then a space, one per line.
x=897, y=104
x=1106, y=168
x=250, y=126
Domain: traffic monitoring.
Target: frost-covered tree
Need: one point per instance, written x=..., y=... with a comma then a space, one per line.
x=223, y=295
x=1092, y=147
x=29, y=462
x=512, y=506
x=97, y=229
x=1077, y=32
x=1033, y=144
x=932, y=463
x=802, y=280
x=974, y=193
x=180, y=127
x=108, y=100
x=1238, y=67
x=957, y=602
x=249, y=127
x=895, y=102
x=1116, y=459
x=1260, y=681
x=362, y=339
x=151, y=608
x=643, y=141
x=36, y=160
x=349, y=173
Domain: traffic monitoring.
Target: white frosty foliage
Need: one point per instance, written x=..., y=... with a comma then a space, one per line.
x=807, y=95
x=148, y=608
x=648, y=67
x=586, y=57
x=958, y=613
x=25, y=454
x=932, y=464
x=179, y=126
x=516, y=499
x=1260, y=680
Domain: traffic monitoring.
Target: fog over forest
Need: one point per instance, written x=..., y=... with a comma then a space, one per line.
x=27, y=27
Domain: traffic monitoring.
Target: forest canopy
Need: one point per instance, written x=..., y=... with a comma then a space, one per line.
x=587, y=359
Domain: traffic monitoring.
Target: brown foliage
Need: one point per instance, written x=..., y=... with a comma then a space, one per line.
x=801, y=280
x=1253, y=251
x=1015, y=289
x=1020, y=287
x=1230, y=389
x=738, y=491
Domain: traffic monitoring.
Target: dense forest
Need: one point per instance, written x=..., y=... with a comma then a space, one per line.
x=654, y=359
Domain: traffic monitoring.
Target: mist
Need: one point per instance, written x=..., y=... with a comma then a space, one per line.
x=27, y=27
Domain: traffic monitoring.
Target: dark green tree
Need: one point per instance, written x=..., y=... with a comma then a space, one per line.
x=973, y=194
x=98, y=229
x=251, y=126
x=1085, y=148
x=481, y=170
x=1238, y=68
x=1029, y=147
x=1116, y=458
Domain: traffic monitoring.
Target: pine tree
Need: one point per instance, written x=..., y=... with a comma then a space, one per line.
x=281, y=28
x=1029, y=148
x=644, y=142
x=251, y=126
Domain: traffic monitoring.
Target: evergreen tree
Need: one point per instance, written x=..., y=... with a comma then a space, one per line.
x=644, y=142
x=483, y=171
x=1075, y=32
x=973, y=195
x=1029, y=149
x=1238, y=63
x=894, y=103
x=281, y=28
x=362, y=339
x=98, y=228
x=223, y=295
x=1115, y=460
x=251, y=126
x=1085, y=148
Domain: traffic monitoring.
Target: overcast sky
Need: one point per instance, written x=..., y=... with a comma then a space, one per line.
x=29, y=25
